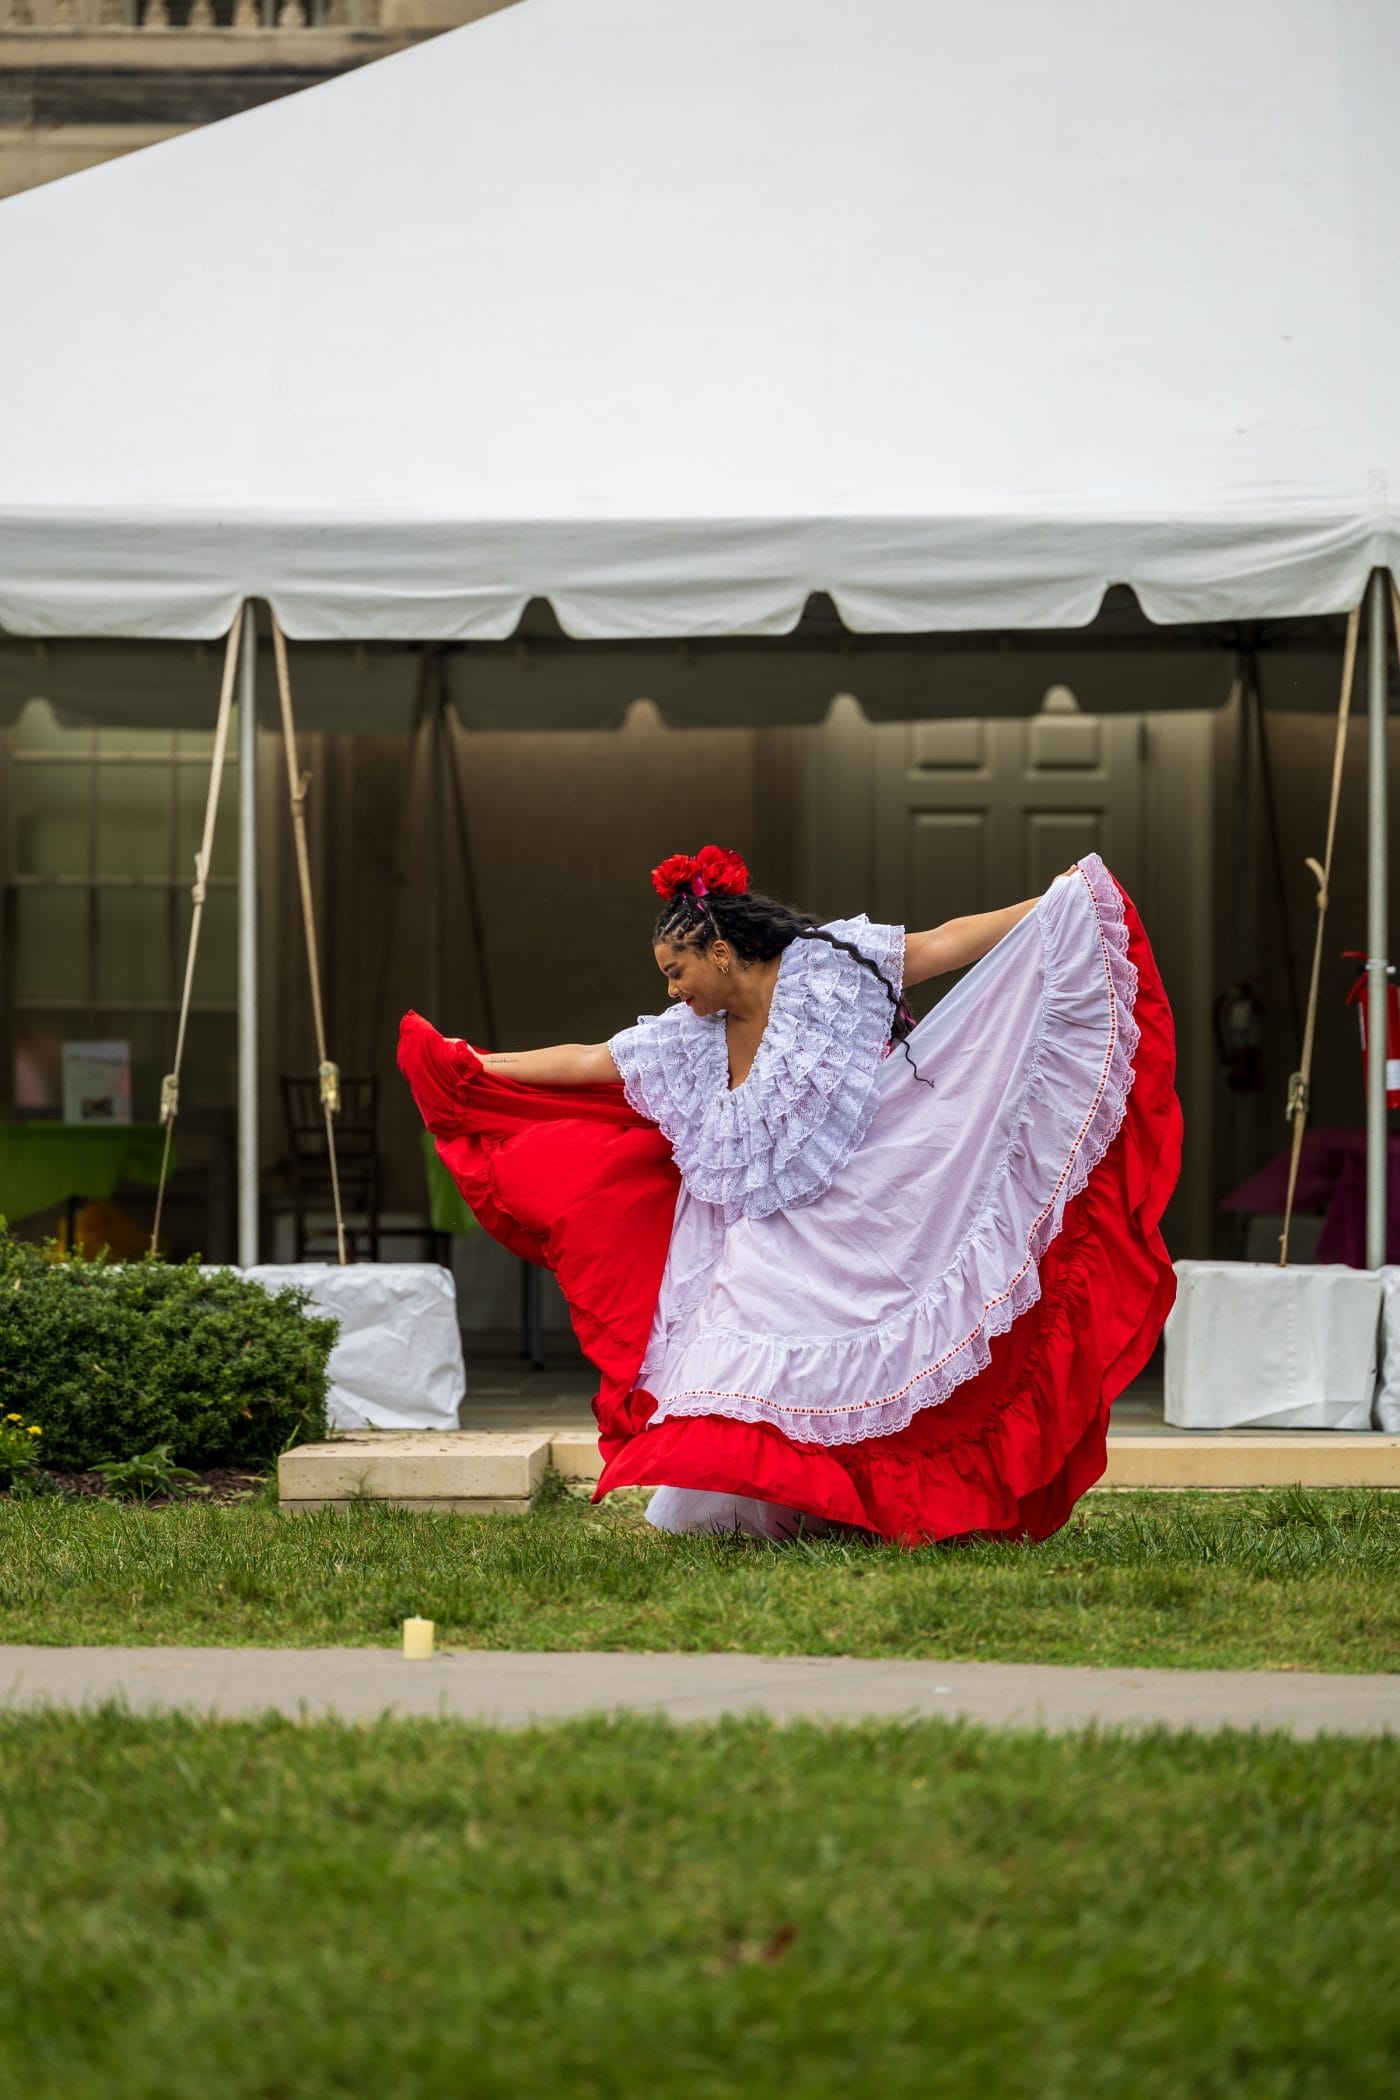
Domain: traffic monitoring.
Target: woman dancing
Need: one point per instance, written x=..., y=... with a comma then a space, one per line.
x=834, y=1268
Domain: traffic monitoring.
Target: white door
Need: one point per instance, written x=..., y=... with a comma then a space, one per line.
x=916, y=822
x=975, y=814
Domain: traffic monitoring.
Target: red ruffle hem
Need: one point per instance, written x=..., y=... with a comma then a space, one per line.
x=574, y=1179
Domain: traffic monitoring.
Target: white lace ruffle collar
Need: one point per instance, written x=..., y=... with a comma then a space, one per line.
x=775, y=1142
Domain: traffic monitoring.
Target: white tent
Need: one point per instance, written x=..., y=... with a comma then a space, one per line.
x=675, y=312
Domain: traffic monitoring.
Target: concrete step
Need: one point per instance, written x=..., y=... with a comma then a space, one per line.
x=474, y=1472
x=1250, y=1458
x=481, y=1472
x=574, y=1453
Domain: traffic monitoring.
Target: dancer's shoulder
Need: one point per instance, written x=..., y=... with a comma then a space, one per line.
x=879, y=943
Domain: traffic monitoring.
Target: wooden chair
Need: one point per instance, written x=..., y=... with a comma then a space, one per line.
x=309, y=1170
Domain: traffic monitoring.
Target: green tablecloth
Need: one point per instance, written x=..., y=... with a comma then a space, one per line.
x=46, y=1163
x=447, y=1208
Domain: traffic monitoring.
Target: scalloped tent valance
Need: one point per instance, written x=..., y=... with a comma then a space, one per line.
x=674, y=314
x=541, y=680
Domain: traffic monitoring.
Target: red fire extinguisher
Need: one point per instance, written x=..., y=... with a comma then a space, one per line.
x=1357, y=997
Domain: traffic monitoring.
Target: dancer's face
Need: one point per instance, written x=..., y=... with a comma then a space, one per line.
x=693, y=977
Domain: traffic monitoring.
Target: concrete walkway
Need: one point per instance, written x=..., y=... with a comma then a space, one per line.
x=511, y=1690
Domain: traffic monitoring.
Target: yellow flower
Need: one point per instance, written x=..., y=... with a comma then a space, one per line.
x=14, y=1418
x=36, y=1431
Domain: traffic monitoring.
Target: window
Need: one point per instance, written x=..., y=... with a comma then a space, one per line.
x=101, y=832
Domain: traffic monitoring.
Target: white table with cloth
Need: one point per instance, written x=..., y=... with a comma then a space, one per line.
x=1387, y=1415
x=1252, y=1346
x=398, y=1362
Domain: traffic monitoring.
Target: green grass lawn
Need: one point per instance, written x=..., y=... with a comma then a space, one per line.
x=1279, y=1581
x=418, y=1909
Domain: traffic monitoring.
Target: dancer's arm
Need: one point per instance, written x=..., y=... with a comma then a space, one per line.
x=563, y=1064
x=958, y=942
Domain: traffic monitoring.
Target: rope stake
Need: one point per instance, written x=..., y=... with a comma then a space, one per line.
x=297, y=785
x=1300, y=1084
x=170, y=1084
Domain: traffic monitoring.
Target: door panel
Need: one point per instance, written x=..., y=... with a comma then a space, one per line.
x=1060, y=743
x=972, y=815
x=949, y=746
x=948, y=856
x=923, y=821
x=1055, y=839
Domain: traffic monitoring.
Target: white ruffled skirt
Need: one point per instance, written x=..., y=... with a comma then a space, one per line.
x=842, y=1320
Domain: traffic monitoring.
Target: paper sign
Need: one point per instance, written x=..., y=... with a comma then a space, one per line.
x=97, y=1082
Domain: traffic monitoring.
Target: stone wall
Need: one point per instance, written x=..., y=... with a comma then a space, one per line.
x=77, y=88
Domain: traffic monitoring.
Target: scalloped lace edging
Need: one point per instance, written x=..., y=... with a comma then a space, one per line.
x=1036, y=1193
x=776, y=1141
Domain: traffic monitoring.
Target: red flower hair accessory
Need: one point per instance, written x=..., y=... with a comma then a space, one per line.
x=713, y=868
x=673, y=875
x=720, y=871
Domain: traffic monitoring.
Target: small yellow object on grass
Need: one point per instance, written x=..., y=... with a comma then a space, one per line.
x=418, y=1640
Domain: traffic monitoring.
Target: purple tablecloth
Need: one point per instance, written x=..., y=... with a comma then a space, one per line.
x=1331, y=1179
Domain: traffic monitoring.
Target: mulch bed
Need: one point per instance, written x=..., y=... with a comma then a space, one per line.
x=221, y=1484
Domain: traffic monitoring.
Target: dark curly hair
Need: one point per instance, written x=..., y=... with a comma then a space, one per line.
x=757, y=928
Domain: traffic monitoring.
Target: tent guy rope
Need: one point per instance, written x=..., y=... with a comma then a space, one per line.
x=170, y=1084
x=297, y=785
x=1299, y=1084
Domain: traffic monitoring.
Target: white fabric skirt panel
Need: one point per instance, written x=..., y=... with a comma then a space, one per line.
x=696, y=1509
x=840, y=1320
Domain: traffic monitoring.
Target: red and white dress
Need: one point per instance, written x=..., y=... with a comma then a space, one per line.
x=836, y=1294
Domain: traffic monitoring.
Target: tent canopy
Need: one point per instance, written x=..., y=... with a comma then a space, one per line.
x=541, y=680
x=674, y=314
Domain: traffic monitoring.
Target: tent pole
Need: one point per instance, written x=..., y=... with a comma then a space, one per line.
x=434, y=741
x=1377, y=934
x=248, y=945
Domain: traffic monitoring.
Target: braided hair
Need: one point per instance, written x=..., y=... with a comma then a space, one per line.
x=696, y=913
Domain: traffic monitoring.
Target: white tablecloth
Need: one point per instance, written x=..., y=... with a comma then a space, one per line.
x=1253, y=1346
x=398, y=1363
x=1387, y=1414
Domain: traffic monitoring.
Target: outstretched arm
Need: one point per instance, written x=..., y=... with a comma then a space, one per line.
x=958, y=942
x=563, y=1064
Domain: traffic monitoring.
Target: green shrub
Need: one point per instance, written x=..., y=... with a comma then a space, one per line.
x=115, y=1360
x=19, y=1448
